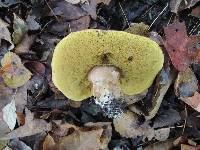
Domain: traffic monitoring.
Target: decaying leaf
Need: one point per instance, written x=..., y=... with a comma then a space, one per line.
x=32, y=126
x=91, y=7
x=193, y=101
x=162, y=134
x=107, y=132
x=32, y=24
x=20, y=28
x=196, y=12
x=14, y=73
x=77, y=1
x=189, y=147
x=128, y=126
x=9, y=114
x=139, y=29
x=163, y=81
x=5, y=33
x=82, y=140
x=80, y=24
x=18, y=145
x=178, y=5
x=183, y=50
x=186, y=84
x=165, y=145
x=24, y=46
x=166, y=118
x=49, y=143
x=67, y=11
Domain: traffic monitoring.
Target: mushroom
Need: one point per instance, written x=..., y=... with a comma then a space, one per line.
x=108, y=65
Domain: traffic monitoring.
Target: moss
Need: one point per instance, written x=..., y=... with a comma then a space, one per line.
x=138, y=58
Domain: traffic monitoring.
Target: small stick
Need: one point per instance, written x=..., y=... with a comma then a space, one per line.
x=159, y=15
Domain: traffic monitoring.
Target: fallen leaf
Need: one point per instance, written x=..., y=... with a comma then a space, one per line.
x=165, y=145
x=14, y=73
x=9, y=114
x=188, y=147
x=186, y=84
x=107, y=132
x=67, y=11
x=127, y=125
x=163, y=81
x=16, y=144
x=35, y=67
x=178, y=5
x=32, y=126
x=193, y=101
x=156, y=37
x=8, y=3
x=82, y=140
x=5, y=34
x=24, y=46
x=183, y=50
x=76, y=1
x=49, y=143
x=4, y=129
x=91, y=7
x=196, y=12
x=162, y=134
x=20, y=28
x=80, y=24
x=175, y=34
x=32, y=23
x=166, y=118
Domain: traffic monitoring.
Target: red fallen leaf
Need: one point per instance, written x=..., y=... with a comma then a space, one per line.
x=175, y=44
x=183, y=50
x=194, y=101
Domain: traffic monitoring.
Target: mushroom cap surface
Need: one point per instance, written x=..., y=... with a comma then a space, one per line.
x=138, y=59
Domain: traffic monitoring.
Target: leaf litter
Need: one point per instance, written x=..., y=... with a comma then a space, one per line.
x=35, y=37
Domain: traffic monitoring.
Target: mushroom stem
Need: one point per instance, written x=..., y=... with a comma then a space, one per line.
x=106, y=90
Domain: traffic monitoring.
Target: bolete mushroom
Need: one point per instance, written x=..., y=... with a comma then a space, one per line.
x=105, y=64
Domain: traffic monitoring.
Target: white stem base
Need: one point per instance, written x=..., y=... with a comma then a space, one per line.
x=106, y=89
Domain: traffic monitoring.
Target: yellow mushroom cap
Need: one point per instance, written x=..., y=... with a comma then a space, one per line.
x=138, y=59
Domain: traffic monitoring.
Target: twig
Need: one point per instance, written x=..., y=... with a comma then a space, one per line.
x=159, y=15
x=45, y=26
x=51, y=10
x=194, y=28
x=185, y=122
x=126, y=19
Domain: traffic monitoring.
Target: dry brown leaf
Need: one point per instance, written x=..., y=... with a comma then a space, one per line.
x=66, y=11
x=81, y=140
x=5, y=34
x=35, y=67
x=24, y=46
x=107, y=132
x=178, y=5
x=166, y=145
x=193, y=101
x=128, y=126
x=49, y=143
x=188, y=147
x=91, y=8
x=32, y=126
x=196, y=12
x=80, y=24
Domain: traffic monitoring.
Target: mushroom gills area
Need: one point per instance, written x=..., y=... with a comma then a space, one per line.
x=106, y=90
